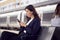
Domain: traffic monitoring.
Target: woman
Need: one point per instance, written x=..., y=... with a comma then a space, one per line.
x=56, y=23
x=28, y=31
x=56, y=20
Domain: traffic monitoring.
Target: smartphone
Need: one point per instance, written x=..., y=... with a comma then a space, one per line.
x=18, y=20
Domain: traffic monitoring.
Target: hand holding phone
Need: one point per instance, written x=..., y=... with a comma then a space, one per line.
x=18, y=20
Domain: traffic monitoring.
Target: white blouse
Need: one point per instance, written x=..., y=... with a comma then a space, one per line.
x=55, y=21
x=29, y=21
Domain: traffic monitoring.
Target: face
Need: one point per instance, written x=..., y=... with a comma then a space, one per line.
x=28, y=13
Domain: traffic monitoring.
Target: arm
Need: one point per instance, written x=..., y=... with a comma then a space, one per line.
x=33, y=29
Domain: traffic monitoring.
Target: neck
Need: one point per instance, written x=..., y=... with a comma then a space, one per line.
x=56, y=16
x=32, y=16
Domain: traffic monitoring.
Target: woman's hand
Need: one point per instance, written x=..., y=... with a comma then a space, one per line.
x=22, y=24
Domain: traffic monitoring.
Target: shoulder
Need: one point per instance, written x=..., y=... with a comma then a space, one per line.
x=55, y=21
x=37, y=19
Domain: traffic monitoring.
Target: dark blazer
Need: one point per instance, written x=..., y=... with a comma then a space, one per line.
x=32, y=29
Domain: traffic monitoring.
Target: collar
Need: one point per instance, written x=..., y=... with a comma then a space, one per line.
x=29, y=21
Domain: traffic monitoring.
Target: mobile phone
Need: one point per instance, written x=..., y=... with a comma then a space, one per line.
x=18, y=20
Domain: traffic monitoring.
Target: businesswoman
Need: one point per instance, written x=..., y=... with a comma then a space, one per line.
x=56, y=20
x=28, y=31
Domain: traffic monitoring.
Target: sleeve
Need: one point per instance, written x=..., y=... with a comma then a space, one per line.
x=28, y=30
x=21, y=29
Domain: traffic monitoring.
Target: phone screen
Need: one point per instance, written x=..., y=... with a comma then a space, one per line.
x=18, y=20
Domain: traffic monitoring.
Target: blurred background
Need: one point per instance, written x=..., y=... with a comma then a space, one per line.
x=10, y=9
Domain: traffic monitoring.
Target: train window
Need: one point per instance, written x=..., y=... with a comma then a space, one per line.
x=47, y=16
x=3, y=19
x=13, y=19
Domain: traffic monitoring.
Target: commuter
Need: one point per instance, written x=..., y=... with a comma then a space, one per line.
x=56, y=20
x=56, y=23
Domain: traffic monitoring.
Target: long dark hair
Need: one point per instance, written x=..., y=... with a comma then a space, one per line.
x=31, y=8
x=57, y=10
